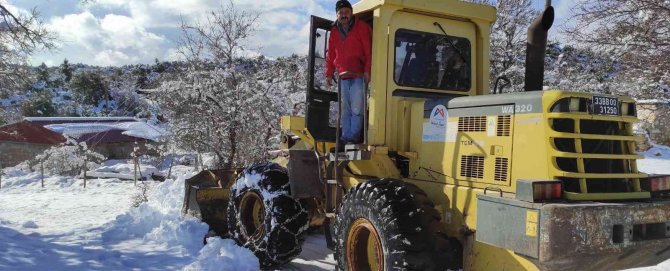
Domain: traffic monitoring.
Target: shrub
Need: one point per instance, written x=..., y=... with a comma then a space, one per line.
x=67, y=159
x=39, y=105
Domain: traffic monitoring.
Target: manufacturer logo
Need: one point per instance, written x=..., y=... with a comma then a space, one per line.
x=439, y=116
x=435, y=130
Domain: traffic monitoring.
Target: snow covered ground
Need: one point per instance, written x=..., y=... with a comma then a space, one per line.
x=64, y=226
x=656, y=161
x=67, y=227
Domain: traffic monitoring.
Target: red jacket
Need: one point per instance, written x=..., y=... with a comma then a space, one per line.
x=353, y=53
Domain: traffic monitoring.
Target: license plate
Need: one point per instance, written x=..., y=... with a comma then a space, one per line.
x=605, y=106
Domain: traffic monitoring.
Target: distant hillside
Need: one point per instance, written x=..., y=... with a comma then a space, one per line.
x=91, y=91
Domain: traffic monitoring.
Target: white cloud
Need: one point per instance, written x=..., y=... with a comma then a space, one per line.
x=173, y=54
x=111, y=40
x=113, y=58
x=130, y=31
x=284, y=25
x=124, y=33
x=77, y=29
x=159, y=13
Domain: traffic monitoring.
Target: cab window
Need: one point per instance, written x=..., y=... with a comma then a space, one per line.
x=429, y=60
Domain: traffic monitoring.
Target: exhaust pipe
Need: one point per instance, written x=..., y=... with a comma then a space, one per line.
x=536, y=47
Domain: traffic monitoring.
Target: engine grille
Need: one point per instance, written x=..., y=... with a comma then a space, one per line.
x=501, y=169
x=595, y=155
x=503, y=126
x=472, y=166
x=472, y=124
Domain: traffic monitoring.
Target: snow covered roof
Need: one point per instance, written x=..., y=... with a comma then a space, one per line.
x=93, y=130
x=135, y=128
x=653, y=101
x=78, y=119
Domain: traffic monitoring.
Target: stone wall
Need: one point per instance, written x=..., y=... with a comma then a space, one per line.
x=655, y=120
x=123, y=150
x=13, y=153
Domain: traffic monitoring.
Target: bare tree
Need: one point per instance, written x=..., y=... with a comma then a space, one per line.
x=221, y=37
x=636, y=32
x=214, y=105
x=508, y=40
x=20, y=36
x=235, y=119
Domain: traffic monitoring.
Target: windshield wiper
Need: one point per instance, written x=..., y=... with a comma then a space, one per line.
x=448, y=38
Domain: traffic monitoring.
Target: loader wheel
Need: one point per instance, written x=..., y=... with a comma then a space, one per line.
x=264, y=218
x=392, y=225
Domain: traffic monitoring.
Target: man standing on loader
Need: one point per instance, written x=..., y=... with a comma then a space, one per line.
x=349, y=50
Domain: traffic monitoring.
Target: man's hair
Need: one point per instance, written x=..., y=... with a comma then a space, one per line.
x=342, y=4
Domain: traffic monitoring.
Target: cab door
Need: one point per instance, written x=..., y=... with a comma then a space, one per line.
x=321, y=115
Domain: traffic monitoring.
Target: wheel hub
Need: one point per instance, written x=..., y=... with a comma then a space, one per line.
x=252, y=215
x=364, y=247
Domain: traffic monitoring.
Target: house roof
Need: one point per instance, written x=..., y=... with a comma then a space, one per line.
x=28, y=133
x=56, y=120
x=93, y=131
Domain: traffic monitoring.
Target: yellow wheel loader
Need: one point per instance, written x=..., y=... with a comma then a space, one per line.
x=450, y=174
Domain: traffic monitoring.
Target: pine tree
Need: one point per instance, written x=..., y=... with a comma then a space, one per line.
x=66, y=69
x=42, y=73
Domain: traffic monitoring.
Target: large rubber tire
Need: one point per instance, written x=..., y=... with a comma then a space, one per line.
x=264, y=218
x=392, y=225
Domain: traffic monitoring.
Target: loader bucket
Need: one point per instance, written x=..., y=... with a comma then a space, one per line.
x=206, y=197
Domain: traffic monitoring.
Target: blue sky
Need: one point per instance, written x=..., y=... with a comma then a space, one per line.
x=117, y=32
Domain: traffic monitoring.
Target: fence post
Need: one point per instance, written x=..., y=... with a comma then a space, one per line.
x=139, y=170
x=197, y=162
x=42, y=172
x=85, y=169
x=2, y=172
x=170, y=170
x=135, y=169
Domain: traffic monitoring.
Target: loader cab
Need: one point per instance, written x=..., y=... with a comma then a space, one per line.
x=421, y=51
x=322, y=106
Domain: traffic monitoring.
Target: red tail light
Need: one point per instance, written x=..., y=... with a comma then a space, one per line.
x=659, y=183
x=547, y=191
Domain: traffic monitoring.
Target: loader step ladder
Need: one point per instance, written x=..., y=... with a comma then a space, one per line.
x=338, y=161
